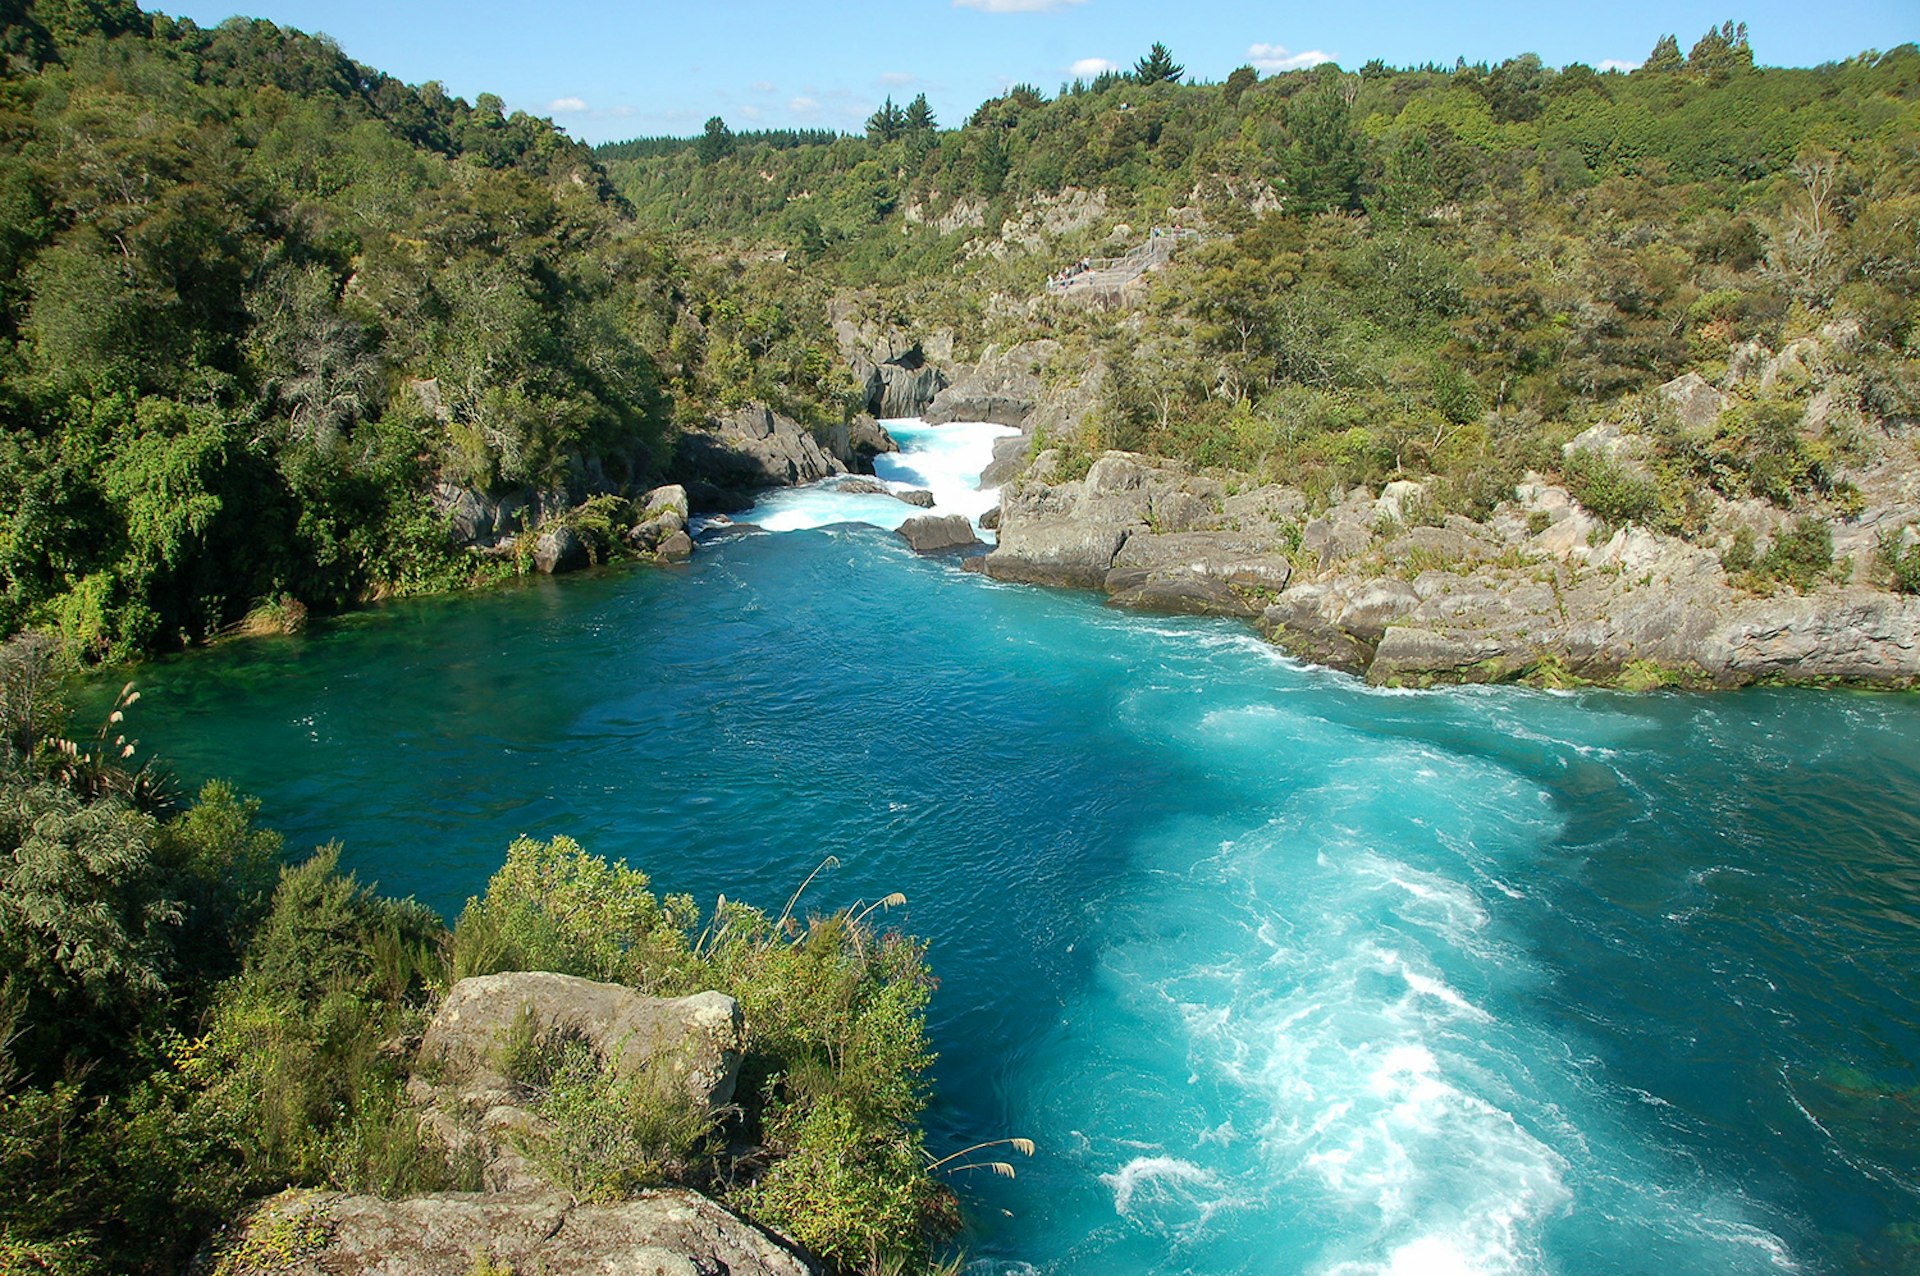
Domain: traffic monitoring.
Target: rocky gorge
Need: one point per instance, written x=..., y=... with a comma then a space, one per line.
x=1383, y=584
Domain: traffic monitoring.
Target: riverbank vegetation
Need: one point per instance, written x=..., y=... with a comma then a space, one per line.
x=190, y=1018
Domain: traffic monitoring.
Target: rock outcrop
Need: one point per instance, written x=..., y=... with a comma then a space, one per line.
x=1379, y=585
x=473, y=1106
x=1149, y=534
x=558, y=549
x=482, y=520
x=666, y=1233
x=1004, y=387
x=901, y=386
x=661, y=528
x=750, y=448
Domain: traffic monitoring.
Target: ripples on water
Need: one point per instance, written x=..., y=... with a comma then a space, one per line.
x=1284, y=975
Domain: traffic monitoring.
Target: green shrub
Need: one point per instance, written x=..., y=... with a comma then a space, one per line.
x=1901, y=563
x=1801, y=555
x=1612, y=491
x=554, y=907
x=608, y=1133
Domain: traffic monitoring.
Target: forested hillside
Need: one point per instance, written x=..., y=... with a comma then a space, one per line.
x=261, y=301
x=1436, y=271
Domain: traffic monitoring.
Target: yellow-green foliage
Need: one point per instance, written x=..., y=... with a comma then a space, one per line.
x=608, y=1132
x=283, y=1231
x=836, y=1048
x=552, y=906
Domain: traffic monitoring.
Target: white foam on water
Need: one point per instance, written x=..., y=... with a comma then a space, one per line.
x=943, y=459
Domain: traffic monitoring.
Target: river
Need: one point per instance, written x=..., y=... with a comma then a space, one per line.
x=1282, y=973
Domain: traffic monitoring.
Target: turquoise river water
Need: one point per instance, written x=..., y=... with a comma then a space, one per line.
x=1283, y=974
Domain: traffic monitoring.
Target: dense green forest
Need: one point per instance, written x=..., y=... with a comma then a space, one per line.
x=267, y=310
x=260, y=301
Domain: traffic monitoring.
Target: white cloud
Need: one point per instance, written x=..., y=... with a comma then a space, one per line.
x=803, y=106
x=566, y=106
x=1016, y=6
x=751, y=112
x=1277, y=57
x=1090, y=68
x=763, y=86
x=897, y=79
x=1617, y=64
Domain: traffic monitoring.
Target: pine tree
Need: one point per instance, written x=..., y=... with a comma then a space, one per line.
x=1158, y=66
x=920, y=116
x=716, y=141
x=1665, y=56
x=887, y=124
x=1723, y=52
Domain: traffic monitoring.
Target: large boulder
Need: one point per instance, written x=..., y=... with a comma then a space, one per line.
x=662, y=520
x=1693, y=400
x=932, y=533
x=856, y=442
x=558, y=549
x=754, y=447
x=472, y=1106
x=702, y=1033
x=1071, y=533
x=1009, y=458
x=665, y=1233
x=482, y=520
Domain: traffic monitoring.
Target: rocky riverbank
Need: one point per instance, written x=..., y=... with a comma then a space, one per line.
x=1541, y=591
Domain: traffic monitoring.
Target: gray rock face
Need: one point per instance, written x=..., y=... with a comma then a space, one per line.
x=483, y=520
x=754, y=447
x=703, y=1031
x=866, y=439
x=558, y=550
x=1009, y=458
x=1002, y=388
x=472, y=1105
x=1148, y=534
x=662, y=521
x=916, y=496
x=666, y=1233
x=1177, y=593
x=1533, y=592
x=930, y=533
x=1696, y=403
x=902, y=386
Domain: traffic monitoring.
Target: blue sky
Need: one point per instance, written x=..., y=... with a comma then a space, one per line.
x=607, y=71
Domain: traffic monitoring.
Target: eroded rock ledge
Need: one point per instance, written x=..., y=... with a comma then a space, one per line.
x=667, y=1233
x=1541, y=591
x=522, y=1222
